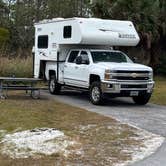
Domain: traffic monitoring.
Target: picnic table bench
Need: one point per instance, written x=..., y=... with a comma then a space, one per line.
x=13, y=83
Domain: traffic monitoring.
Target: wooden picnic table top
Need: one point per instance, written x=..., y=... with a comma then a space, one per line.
x=19, y=79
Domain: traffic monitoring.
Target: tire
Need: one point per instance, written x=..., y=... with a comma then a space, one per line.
x=142, y=99
x=54, y=87
x=96, y=95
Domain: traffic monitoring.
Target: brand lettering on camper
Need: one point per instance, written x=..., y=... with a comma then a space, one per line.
x=129, y=36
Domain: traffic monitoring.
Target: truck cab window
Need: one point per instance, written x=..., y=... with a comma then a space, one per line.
x=109, y=56
x=73, y=56
x=67, y=32
x=43, y=41
x=85, y=58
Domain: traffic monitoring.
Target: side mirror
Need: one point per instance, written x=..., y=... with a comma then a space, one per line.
x=79, y=60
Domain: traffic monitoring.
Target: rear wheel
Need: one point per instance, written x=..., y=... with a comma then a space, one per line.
x=54, y=87
x=142, y=99
x=96, y=95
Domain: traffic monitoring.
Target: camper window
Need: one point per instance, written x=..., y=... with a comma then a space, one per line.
x=73, y=56
x=67, y=31
x=43, y=41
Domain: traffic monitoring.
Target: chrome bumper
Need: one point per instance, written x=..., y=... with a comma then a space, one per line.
x=118, y=86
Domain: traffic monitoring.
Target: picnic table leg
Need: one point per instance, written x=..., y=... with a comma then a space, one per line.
x=35, y=94
x=1, y=90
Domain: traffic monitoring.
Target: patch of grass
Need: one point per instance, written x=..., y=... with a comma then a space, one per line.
x=103, y=139
x=159, y=94
x=19, y=67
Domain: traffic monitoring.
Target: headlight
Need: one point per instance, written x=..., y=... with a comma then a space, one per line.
x=107, y=75
x=151, y=75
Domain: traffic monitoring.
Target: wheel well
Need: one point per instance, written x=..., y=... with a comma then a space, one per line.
x=51, y=73
x=93, y=78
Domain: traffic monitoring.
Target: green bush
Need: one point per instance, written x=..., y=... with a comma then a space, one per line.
x=4, y=35
x=162, y=67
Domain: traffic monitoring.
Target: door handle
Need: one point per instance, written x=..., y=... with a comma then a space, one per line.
x=65, y=65
x=76, y=67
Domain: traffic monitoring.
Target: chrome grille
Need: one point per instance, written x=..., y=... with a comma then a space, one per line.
x=130, y=78
x=131, y=75
x=143, y=86
x=132, y=71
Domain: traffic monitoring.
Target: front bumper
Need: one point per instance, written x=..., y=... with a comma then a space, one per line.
x=126, y=87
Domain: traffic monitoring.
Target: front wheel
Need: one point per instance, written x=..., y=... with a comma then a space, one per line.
x=96, y=95
x=54, y=87
x=142, y=99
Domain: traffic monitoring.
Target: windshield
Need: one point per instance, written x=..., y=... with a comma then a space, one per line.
x=108, y=56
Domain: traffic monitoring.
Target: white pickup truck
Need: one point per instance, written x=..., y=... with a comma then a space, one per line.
x=103, y=72
x=78, y=53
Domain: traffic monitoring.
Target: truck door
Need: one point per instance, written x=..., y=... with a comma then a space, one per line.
x=81, y=70
x=77, y=74
x=69, y=69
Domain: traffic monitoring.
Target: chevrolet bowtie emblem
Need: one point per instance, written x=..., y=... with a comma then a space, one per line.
x=134, y=75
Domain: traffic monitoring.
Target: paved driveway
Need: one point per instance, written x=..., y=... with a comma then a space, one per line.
x=150, y=117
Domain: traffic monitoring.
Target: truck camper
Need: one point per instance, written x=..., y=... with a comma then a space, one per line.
x=78, y=53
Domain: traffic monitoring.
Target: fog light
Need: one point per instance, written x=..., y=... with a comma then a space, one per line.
x=110, y=86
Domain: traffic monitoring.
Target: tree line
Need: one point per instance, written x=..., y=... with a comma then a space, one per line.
x=18, y=16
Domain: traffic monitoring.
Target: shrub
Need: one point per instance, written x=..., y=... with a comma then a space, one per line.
x=4, y=35
x=162, y=67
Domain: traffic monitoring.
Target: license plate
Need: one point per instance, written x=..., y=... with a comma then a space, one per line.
x=134, y=93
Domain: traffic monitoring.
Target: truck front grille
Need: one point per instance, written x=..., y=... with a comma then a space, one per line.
x=131, y=75
x=132, y=71
x=143, y=86
x=130, y=78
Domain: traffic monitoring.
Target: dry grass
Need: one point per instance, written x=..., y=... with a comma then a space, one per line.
x=159, y=94
x=103, y=139
x=20, y=67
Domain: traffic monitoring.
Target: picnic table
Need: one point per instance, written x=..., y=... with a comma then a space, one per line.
x=13, y=83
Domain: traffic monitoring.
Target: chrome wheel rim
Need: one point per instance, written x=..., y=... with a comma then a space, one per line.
x=52, y=85
x=95, y=94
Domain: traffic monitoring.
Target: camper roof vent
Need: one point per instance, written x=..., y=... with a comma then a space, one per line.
x=44, y=21
x=93, y=18
x=56, y=19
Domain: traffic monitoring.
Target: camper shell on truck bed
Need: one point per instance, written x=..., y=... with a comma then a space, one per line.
x=78, y=53
x=89, y=31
